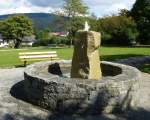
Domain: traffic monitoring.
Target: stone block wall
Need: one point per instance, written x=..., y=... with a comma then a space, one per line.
x=55, y=93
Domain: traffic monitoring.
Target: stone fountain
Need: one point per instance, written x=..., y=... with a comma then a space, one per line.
x=85, y=62
x=94, y=87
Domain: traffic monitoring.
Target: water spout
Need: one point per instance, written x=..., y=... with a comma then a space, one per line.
x=86, y=26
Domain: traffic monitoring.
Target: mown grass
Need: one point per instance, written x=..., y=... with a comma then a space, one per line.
x=145, y=68
x=9, y=57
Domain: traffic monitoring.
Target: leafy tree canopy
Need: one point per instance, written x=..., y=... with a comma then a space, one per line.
x=15, y=28
x=43, y=34
x=75, y=11
x=74, y=8
x=141, y=14
x=117, y=30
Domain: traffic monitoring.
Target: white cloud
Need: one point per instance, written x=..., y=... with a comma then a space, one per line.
x=115, y=8
x=5, y=3
x=99, y=7
x=46, y=3
x=21, y=6
x=107, y=7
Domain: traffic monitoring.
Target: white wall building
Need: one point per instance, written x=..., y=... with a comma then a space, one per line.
x=28, y=40
x=2, y=42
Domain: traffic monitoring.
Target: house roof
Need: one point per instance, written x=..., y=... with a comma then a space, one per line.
x=59, y=33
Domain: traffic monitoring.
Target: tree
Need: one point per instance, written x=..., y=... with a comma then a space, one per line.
x=141, y=14
x=16, y=28
x=118, y=30
x=45, y=34
x=74, y=8
x=75, y=11
x=124, y=12
x=93, y=22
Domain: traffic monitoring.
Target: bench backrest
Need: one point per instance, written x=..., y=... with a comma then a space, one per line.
x=38, y=55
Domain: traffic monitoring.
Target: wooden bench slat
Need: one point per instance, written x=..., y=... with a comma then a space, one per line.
x=38, y=59
x=37, y=56
x=37, y=53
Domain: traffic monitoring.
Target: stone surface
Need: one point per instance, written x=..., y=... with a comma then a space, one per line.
x=12, y=108
x=85, y=62
x=117, y=91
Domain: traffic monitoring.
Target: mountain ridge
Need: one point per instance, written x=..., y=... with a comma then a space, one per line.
x=43, y=20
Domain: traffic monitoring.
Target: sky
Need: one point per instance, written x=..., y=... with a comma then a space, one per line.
x=99, y=7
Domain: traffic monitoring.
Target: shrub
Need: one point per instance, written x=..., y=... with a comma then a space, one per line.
x=53, y=40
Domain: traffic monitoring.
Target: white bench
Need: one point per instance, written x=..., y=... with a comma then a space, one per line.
x=36, y=56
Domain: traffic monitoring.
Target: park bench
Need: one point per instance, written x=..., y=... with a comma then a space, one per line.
x=36, y=56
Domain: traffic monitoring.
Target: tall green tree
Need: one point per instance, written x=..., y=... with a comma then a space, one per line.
x=15, y=28
x=118, y=30
x=43, y=34
x=141, y=14
x=74, y=8
x=75, y=11
x=93, y=21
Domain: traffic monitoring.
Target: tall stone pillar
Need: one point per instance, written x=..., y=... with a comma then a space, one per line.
x=85, y=62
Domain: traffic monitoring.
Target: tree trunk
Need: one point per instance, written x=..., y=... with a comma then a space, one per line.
x=17, y=43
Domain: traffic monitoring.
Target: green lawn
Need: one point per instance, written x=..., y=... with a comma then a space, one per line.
x=9, y=57
x=145, y=68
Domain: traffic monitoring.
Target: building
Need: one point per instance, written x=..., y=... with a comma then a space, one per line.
x=59, y=34
x=2, y=42
x=28, y=40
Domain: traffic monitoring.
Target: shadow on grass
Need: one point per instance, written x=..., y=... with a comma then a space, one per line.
x=145, y=68
x=118, y=57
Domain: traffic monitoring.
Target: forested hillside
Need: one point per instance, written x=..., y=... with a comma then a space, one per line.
x=44, y=20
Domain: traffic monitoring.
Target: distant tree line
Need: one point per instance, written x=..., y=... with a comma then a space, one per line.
x=117, y=29
x=44, y=38
x=124, y=29
x=127, y=28
x=141, y=14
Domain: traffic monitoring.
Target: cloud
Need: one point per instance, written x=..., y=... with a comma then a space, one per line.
x=22, y=6
x=107, y=7
x=99, y=7
x=46, y=3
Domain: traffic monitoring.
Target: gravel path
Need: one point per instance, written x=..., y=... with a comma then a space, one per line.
x=15, y=109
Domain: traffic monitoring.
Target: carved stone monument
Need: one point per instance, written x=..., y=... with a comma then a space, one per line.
x=85, y=62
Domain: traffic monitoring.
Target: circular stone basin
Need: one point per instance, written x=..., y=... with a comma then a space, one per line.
x=48, y=84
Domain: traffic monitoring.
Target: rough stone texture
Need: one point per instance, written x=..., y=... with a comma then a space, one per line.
x=12, y=108
x=56, y=92
x=85, y=62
